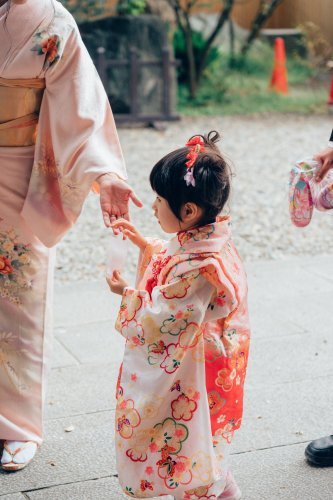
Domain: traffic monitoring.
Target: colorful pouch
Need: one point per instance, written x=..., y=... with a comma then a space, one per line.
x=305, y=193
x=300, y=196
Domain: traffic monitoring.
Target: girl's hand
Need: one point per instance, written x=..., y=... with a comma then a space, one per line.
x=116, y=283
x=130, y=232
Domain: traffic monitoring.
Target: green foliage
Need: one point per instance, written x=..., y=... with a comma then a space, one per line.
x=244, y=89
x=212, y=91
x=198, y=45
x=84, y=10
x=131, y=7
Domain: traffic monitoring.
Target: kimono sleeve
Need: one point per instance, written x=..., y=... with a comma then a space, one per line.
x=171, y=317
x=76, y=141
x=159, y=420
x=154, y=246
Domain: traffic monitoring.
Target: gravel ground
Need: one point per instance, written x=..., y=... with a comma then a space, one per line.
x=262, y=150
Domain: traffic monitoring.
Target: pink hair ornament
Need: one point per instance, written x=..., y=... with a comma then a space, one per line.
x=196, y=146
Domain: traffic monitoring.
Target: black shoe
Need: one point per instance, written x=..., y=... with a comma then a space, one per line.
x=320, y=452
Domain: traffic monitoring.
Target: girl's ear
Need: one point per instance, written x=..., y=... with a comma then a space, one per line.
x=191, y=213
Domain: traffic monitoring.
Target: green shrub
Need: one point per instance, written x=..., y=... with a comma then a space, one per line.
x=244, y=88
x=198, y=41
x=131, y=7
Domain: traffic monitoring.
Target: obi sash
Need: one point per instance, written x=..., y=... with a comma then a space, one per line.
x=20, y=102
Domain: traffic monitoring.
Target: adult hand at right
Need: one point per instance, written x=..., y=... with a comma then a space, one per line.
x=325, y=157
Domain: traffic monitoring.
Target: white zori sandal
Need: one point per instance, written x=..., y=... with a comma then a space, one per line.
x=17, y=454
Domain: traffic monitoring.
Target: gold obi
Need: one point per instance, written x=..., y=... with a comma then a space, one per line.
x=20, y=102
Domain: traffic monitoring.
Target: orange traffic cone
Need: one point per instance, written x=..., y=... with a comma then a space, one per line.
x=330, y=97
x=279, y=81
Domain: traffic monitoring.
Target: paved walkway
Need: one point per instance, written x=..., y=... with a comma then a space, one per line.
x=289, y=397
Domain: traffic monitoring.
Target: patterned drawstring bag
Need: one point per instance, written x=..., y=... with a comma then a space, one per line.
x=305, y=193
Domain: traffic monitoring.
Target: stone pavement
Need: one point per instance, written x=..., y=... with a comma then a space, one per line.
x=289, y=397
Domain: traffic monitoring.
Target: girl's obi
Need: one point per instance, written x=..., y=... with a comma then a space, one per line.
x=305, y=193
x=20, y=102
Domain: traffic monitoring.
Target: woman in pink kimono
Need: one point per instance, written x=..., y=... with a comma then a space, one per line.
x=57, y=137
x=180, y=393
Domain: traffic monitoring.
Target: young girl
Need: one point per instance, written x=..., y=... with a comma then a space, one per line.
x=180, y=392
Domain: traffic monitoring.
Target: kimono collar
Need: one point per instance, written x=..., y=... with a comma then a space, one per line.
x=20, y=21
x=205, y=239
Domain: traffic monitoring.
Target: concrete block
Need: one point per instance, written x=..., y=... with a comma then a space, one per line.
x=15, y=496
x=285, y=359
x=61, y=357
x=84, y=302
x=284, y=279
x=85, y=453
x=103, y=489
x=320, y=266
x=284, y=414
x=81, y=389
x=281, y=474
x=93, y=343
x=310, y=310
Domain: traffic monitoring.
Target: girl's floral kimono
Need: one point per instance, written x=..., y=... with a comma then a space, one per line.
x=57, y=135
x=180, y=394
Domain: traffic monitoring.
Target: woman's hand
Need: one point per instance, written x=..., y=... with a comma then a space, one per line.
x=128, y=230
x=325, y=157
x=116, y=282
x=114, y=198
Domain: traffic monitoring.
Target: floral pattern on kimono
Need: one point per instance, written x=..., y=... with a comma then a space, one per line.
x=11, y=352
x=189, y=314
x=15, y=257
x=48, y=44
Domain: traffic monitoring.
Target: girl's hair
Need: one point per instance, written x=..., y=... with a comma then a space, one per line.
x=211, y=174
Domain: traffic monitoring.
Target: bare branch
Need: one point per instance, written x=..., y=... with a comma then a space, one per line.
x=265, y=10
x=224, y=16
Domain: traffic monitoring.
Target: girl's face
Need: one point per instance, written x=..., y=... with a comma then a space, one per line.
x=190, y=214
x=165, y=216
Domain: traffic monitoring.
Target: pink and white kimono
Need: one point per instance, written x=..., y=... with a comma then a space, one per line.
x=57, y=135
x=180, y=391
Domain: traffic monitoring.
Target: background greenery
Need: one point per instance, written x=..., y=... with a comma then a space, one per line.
x=244, y=88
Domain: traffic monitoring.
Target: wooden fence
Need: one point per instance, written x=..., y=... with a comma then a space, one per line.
x=134, y=64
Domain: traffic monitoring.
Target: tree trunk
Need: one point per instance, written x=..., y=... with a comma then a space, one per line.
x=232, y=59
x=192, y=76
x=265, y=11
x=224, y=16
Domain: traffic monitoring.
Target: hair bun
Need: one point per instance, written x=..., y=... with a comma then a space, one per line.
x=213, y=137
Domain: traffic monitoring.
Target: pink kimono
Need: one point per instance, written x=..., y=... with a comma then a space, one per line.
x=180, y=394
x=47, y=79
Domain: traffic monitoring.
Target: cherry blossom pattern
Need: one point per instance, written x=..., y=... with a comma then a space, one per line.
x=215, y=401
x=173, y=358
x=175, y=470
x=127, y=418
x=183, y=408
x=156, y=352
x=176, y=290
x=128, y=327
x=138, y=452
x=169, y=433
x=128, y=312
